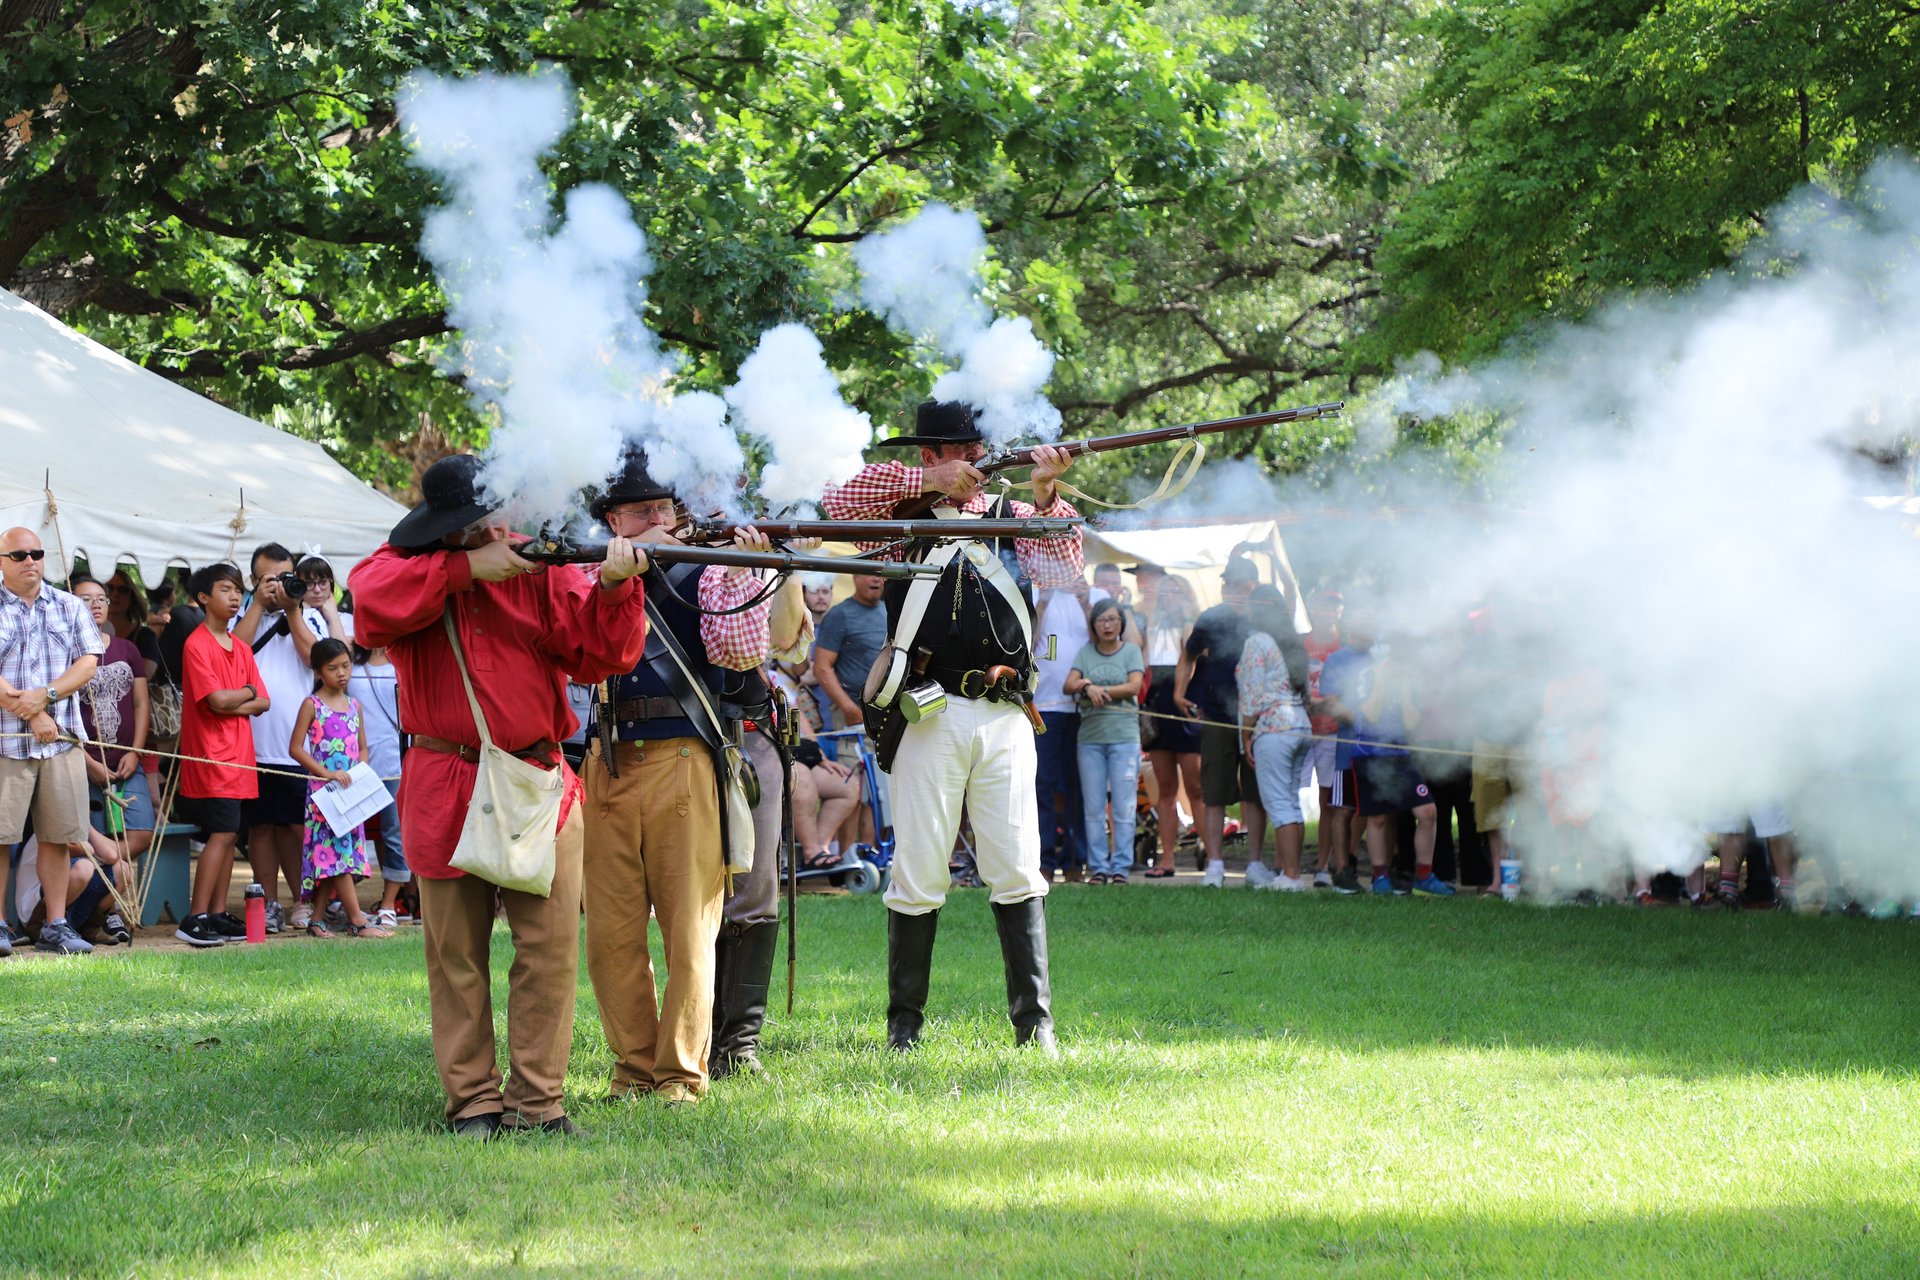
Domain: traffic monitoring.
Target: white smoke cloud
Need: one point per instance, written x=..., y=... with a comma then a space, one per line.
x=550, y=313
x=786, y=395
x=1675, y=517
x=924, y=277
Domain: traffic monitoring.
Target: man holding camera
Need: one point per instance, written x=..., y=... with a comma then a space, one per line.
x=281, y=633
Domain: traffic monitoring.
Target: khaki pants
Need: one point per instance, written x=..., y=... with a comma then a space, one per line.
x=756, y=895
x=653, y=844
x=458, y=921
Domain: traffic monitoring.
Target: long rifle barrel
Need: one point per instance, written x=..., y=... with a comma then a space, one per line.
x=1023, y=457
x=549, y=551
x=702, y=532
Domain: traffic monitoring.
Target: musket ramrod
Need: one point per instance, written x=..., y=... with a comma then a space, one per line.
x=553, y=551
x=702, y=532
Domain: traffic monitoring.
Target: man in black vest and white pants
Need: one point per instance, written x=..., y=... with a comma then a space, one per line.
x=970, y=632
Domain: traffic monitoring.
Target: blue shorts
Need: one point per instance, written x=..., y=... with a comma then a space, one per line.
x=393, y=862
x=139, y=813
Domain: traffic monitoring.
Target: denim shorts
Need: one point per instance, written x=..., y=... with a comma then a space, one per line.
x=139, y=804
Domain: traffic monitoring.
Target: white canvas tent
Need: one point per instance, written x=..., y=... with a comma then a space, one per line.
x=133, y=468
x=1197, y=551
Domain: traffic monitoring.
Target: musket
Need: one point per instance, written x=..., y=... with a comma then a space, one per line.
x=546, y=550
x=706, y=532
x=1023, y=457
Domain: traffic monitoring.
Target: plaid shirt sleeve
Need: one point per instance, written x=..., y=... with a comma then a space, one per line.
x=872, y=494
x=736, y=641
x=1050, y=562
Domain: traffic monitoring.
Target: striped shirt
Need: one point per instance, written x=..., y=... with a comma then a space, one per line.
x=39, y=640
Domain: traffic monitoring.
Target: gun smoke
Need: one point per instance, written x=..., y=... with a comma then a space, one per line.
x=550, y=312
x=1673, y=522
x=924, y=277
x=787, y=396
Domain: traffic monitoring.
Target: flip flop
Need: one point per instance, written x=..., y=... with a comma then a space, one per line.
x=1159, y=873
x=825, y=860
x=367, y=931
x=317, y=929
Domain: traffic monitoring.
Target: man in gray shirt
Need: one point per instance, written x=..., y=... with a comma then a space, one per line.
x=849, y=640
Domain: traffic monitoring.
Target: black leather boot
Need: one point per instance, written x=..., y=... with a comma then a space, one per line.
x=742, y=971
x=909, y=971
x=1023, y=948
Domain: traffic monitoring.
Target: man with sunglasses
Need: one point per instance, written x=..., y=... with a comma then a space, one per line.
x=49, y=649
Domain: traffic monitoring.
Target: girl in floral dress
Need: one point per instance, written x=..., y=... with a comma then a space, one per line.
x=328, y=739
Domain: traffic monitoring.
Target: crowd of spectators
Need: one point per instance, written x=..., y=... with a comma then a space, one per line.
x=1168, y=728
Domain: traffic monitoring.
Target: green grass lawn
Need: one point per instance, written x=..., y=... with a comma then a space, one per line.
x=1253, y=1084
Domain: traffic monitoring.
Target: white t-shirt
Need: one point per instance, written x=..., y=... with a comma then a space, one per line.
x=1065, y=620
x=378, y=693
x=288, y=682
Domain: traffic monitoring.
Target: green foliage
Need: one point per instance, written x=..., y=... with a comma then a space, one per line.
x=1629, y=145
x=1253, y=1085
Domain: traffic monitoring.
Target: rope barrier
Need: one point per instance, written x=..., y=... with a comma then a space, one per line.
x=175, y=755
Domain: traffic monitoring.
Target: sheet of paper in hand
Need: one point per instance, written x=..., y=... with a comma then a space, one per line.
x=348, y=807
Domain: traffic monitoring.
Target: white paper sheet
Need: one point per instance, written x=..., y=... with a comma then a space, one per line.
x=348, y=807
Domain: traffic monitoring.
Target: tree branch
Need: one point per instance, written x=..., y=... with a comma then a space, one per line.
x=799, y=231
x=215, y=364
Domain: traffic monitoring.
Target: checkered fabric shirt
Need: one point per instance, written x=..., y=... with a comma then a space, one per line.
x=37, y=642
x=875, y=489
x=736, y=641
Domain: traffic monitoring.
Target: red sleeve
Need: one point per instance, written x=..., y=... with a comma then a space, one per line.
x=247, y=664
x=598, y=632
x=396, y=595
x=203, y=675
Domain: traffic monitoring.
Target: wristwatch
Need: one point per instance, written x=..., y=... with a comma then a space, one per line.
x=53, y=695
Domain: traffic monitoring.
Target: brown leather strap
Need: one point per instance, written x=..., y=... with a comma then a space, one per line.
x=540, y=752
x=632, y=709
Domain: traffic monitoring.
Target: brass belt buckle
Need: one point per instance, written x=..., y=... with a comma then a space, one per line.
x=968, y=689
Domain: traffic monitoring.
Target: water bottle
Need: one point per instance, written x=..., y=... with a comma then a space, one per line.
x=1510, y=878
x=116, y=805
x=256, y=913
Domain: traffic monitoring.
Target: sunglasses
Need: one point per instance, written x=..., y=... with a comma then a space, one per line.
x=38, y=553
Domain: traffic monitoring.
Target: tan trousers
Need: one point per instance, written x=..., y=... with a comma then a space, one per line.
x=653, y=844
x=458, y=923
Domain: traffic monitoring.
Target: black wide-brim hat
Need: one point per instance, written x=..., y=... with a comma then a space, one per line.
x=938, y=422
x=630, y=484
x=453, y=499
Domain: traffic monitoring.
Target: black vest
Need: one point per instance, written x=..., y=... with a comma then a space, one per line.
x=641, y=682
x=969, y=625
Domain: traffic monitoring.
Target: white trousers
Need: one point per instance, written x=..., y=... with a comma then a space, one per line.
x=979, y=754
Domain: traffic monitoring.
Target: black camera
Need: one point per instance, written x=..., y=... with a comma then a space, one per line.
x=291, y=583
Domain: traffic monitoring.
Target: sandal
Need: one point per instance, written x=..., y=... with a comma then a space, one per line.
x=366, y=931
x=318, y=929
x=1160, y=873
x=825, y=860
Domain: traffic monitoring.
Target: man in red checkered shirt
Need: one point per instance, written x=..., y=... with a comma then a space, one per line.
x=653, y=841
x=975, y=640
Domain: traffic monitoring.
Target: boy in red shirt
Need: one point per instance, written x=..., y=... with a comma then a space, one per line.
x=221, y=691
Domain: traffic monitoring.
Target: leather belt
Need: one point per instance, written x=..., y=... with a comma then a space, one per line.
x=631, y=709
x=540, y=752
x=973, y=684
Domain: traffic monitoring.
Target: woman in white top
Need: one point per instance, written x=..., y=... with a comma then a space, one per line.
x=1275, y=732
x=378, y=692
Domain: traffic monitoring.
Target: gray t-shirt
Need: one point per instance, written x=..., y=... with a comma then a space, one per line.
x=855, y=633
x=1117, y=721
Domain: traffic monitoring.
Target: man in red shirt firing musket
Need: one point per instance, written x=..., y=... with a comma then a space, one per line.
x=450, y=567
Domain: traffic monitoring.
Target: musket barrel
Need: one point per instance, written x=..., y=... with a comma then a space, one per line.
x=671, y=553
x=869, y=531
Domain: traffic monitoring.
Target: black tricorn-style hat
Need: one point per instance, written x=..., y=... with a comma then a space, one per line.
x=938, y=422
x=629, y=484
x=453, y=498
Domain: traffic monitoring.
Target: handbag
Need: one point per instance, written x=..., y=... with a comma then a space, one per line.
x=163, y=710
x=734, y=772
x=512, y=832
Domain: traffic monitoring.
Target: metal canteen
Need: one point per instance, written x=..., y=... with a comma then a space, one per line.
x=922, y=702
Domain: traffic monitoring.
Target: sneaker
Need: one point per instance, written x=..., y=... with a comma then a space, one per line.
x=1645, y=898
x=1348, y=881
x=1260, y=876
x=1885, y=909
x=1433, y=886
x=6, y=941
x=302, y=917
x=198, y=931
x=276, y=917
x=63, y=939
x=1284, y=883
x=116, y=930
x=1216, y=876
x=386, y=918
x=228, y=925
x=1323, y=879
x=1383, y=886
